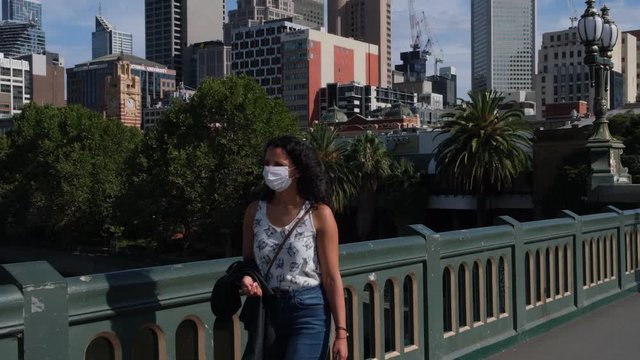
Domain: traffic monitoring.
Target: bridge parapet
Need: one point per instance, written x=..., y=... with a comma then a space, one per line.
x=422, y=295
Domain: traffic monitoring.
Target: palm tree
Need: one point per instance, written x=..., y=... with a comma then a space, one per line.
x=341, y=182
x=485, y=149
x=404, y=194
x=369, y=159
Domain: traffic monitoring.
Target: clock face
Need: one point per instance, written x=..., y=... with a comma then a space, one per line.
x=130, y=103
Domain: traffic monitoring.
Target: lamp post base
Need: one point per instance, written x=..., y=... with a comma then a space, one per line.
x=606, y=167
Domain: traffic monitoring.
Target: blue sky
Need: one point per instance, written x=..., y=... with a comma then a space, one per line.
x=68, y=25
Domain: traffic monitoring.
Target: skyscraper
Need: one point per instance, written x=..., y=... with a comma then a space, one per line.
x=503, y=44
x=368, y=21
x=29, y=11
x=20, y=38
x=171, y=26
x=254, y=12
x=312, y=12
x=21, y=28
x=107, y=40
x=563, y=77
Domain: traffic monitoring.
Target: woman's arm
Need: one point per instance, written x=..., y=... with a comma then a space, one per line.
x=247, y=231
x=248, y=286
x=327, y=245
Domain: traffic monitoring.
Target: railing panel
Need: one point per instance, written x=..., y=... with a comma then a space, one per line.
x=10, y=348
x=477, y=304
x=380, y=319
x=11, y=304
x=596, y=259
x=434, y=295
x=547, y=287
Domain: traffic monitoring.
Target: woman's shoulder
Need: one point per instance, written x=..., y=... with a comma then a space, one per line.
x=322, y=212
x=252, y=208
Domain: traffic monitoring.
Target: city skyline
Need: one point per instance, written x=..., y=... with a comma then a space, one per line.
x=69, y=33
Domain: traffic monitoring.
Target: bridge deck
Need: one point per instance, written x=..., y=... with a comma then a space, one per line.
x=610, y=332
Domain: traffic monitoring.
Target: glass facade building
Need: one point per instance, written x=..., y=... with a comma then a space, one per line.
x=29, y=11
x=172, y=26
x=19, y=38
x=503, y=44
x=107, y=40
x=21, y=28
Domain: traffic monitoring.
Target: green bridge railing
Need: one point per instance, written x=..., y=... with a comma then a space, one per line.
x=423, y=295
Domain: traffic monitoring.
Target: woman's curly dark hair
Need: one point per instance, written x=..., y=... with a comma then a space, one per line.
x=312, y=183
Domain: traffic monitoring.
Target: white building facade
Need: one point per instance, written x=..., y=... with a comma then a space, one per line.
x=564, y=78
x=15, y=87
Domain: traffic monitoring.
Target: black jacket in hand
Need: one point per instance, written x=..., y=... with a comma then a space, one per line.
x=258, y=311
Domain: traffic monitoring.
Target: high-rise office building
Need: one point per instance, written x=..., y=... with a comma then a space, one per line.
x=171, y=26
x=46, y=79
x=213, y=60
x=15, y=88
x=311, y=11
x=21, y=28
x=636, y=34
x=311, y=59
x=256, y=51
x=503, y=44
x=19, y=38
x=107, y=40
x=28, y=11
x=564, y=78
x=368, y=21
x=255, y=12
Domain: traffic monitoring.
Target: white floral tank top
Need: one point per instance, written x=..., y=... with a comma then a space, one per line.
x=297, y=264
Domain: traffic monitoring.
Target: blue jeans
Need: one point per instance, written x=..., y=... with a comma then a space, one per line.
x=302, y=325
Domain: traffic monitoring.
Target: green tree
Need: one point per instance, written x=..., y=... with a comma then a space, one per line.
x=332, y=155
x=369, y=160
x=404, y=194
x=198, y=168
x=484, y=149
x=64, y=169
x=626, y=127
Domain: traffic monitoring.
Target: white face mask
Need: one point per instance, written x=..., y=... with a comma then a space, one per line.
x=277, y=177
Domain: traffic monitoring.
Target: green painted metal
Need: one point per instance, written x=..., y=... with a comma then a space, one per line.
x=124, y=306
x=44, y=309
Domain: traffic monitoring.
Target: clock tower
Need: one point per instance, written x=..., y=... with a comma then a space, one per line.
x=123, y=95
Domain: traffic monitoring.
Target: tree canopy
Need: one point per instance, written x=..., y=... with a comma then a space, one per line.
x=63, y=168
x=626, y=127
x=485, y=147
x=197, y=168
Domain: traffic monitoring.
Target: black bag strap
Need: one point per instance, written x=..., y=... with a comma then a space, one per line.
x=273, y=260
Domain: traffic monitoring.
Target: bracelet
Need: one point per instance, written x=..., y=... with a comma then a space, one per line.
x=341, y=338
x=338, y=328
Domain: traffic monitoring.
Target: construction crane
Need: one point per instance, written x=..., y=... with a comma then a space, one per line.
x=437, y=60
x=574, y=13
x=419, y=31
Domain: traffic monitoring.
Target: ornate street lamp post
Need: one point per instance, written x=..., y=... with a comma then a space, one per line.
x=599, y=34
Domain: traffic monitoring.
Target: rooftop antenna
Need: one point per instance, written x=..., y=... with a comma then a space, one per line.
x=100, y=8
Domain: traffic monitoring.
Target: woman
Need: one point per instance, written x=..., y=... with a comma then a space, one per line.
x=305, y=275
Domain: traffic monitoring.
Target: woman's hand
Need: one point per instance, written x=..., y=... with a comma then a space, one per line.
x=340, y=349
x=249, y=287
